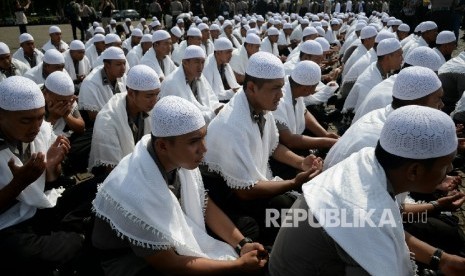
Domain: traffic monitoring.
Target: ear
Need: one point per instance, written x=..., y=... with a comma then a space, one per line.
x=250, y=87
x=415, y=171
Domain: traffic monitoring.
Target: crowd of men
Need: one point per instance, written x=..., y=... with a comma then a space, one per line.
x=210, y=152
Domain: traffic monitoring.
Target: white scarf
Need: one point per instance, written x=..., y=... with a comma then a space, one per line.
x=441, y=56
x=266, y=46
x=288, y=114
x=210, y=47
x=239, y=60
x=367, y=80
x=134, y=56
x=175, y=85
x=136, y=201
x=33, y=196
x=84, y=66
x=112, y=138
x=233, y=40
x=35, y=74
x=356, y=55
x=454, y=65
x=150, y=59
x=19, y=55
x=322, y=94
x=178, y=52
x=244, y=161
x=20, y=70
x=47, y=46
x=359, y=183
x=212, y=75
x=92, y=55
x=357, y=69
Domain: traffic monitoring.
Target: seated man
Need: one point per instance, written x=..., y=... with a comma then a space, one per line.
x=360, y=194
x=55, y=41
x=163, y=225
x=8, y=65
x=96, y=49
x=53, y=61
x=194, y=37
x=134, y=56
x=76, y=63
x=240, y=57
x=132, y=41
x=27, y=52
x=124, y=119
x=158, y=57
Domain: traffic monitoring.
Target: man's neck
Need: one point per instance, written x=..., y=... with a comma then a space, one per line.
x=164, y=160
x=131, y=108
x=110, y=78
x=253, y=104
x=159, y=56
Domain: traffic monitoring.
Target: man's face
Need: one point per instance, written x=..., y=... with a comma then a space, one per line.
x=396, y=60
x=315, y=58
x=288, y=32
x=145, y=46
x=21, y=126
x=55, y=38
x=115, y=68
x=114, y=44
x=163, y=47
x=428, y=178
x=434, y=100
x=215, y=34
x=223, y=57
x=28, y=47
x=135, y=40
x=243, y=32
x=58, y=100
x=194, y=40
x=273, y=38
x=50, y=68
x=77, y=55
x=266, y=97
x=100, y=46
x=5, y=61
x=305, y=90
x=228, y=30
x=188, y=150
x=144, y=100
x=193, y=67
x=430, y=36
x=205, y=34
x=401, y=35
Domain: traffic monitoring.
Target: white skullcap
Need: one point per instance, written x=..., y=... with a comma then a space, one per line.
x=334, y=22
x=360, y=26
x=113, y=53
x=18, y=93
x=367, y=32
x=143, y=20
x=261, y=19
x=60, y=83
x=306, y=73
x=390, y=22
x=415, y=82
x=320, y=31
x=220, y=18
x=428, y=26
x=387, y=46
x=384, y=35
x=311, y=47
x=324, y=43
x=112, y=38
x=194, y=32
x=425, y=57
x=194, y=51
x=273, y=31
x=418, y=28
x=305, y=22
x=77, y=45
x=205, y=19
x=54, y=29
x=99, y=30
x=203, y=26
x=180, y=20
x=324, y=23
x=226, y=23
x=25, y=37
x=53, y=56
x=4, y=49
x=404, y=28
x=397, y=22
x=136, y=32
x=142, y=78
x=175, y=116
x=222, y=44
x=146, y=38
x=253, y=20
x=315, y=17
x=287, y=26
x=252, y=39
x=445, y=37
x=98, y=38
x=418, y=132
x=95, y=24
x=112, y=21
x=155, y=23
x=309, y=31
x=160, y=35
x=176, y=31
x=316, y=24
x=252, y=31
x=198, y=21
x=376, y=26
x=246, y=27
x=127, y=20
x=271, y=21
x=154, y=18
x=214, y=27
x=265, y=65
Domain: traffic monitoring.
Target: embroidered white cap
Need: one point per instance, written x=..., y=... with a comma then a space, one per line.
x=114, y=53
x=146, y=38
x=445, y=37
x=367, y=32
x=180, y=21
x=324, y=43
x=176, y=31
x=60, y=83
x=428, y=26
x=25, y=37
x=194, y=32
x=99, y=30
x=311, y=47
x=142, y=78
x=214, y=27
x=4, y=49
x=360, y=26
x=309, y=31
x=127, y=20
x=175, y=116
x=320, y=30
x=425, y=57
x=113, y=21
x=194, y=51
x=112, y=38
x=404, y=28
x=418, y=132
x=252, y=38
x=19, y=93
x=384, y=35
x=306, y=73
x=203, y=26
x=136, y=32
x=415, y=82
x=160, y=35
x=155, y=23
x=143, y=20
x=223, y=44
x=53, y=56
x=54, y=29
x=98, y=38
x=77, y=45
x=272, y=31
x=334, y=22
x=387, y=46
x=324, y=23
x=265, y=65
x=287, y=26
x=95, y=24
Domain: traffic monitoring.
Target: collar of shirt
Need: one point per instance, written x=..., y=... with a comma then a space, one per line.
x=383, y=74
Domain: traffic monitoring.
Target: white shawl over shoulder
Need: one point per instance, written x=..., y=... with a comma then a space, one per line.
x=288, y=114
x=212, y=74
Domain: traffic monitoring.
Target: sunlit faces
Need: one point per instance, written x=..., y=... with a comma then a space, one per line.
x=427, y=178
x=5, y=61
x=252, y=48
x=77, y=55
x=194, y=40
x=144, y=100
x=223, y=57
x=266, y=96
x=433, y=100
x=273, y=38
x=193, y=67
x=28, y=47
x=21, y=126
x=115, y=68
x=163, y=47
x=55, y=38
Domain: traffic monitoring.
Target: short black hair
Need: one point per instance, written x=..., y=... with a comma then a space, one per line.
x=258, y=81
x=390, y=161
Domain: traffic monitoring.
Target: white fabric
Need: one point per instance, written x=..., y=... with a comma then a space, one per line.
x=92, y=55
x=178, y=53
x=127, y=44
x=244, y=161
x=445, y=37
x=233, y=39
x=415, y=82
x=113, y=53
x=18, y=93
x=265, y=66
x=142, y=78
x=25, y=37
x=4, y=49
x=33, y=196
x=19, y=55
x=293, y=116
x=306, y=73
x=154, y=211
x=266, y=46
x=212, y=75
x=387, y=46
x=54, y=29
x=99, y=62
x=62, y=47
x=359, y=52
x=239, y=60
x=21, y=69
x=175, y=85
x=150, y=59
x=53, y=56
x=76, y=45
x=357, y=69
x=443, y=59
x=60, y=83
x=194, y=51
x=84, y=66
x=413, y=45
x=454, y=65
x=360, y=183
x=425, y=57
x=322, y=93
x=134, y=56
x=35, y=74
x=112, y=138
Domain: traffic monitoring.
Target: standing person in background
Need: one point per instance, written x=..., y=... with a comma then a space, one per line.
x=73, y=12
x=106, y=6
x=85, y=14
x=176, y=9
x=21, y=19
x=156, y=10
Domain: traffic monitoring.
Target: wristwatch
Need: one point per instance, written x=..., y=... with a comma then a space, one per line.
x=241, y=244
x=434, y=263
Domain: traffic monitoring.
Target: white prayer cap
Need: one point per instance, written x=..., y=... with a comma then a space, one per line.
x=252, y=31
x=25, y=37
x=316, y=24
x=98, y=38
x=143, y=20
x=176, y=31
x=198, y=21
x=246, y=27
x=214, y=27
x=287, y=26
x=112, y=21
x=204, y=19
x=253, y=20
x=445, y=37
x=142, y=78
x=428, y=26
x=19, y=93
x=324, y=23
x=273, y=31
x=127, y=20
x=77, y=45
x=309, y=31
x=271, y=21
x=305, y=22
x=223, y=44
x=306, y=73
x=160, y=35
x=203, y=26
x=415, y=82
x=320, y=31
x=376, y=26
x=397, y=22
x=265, y=65
x=53, y=56
x=384, y=35
x=418, y=132
x=99, y=30
x=311, y=47
x=194, y=32
x=252, y=39
x=334, y=22
x=387, y=46
x=113, y=53
x=146, y=38
x=390, y=22
x=360, y=26
x=261, y=19
x=4, y=49
x=220, y=18
x=54, y=29
x=180, y=20
x=367, y=32
x=404, y=28
x=112, y=38
x=324, y=43
x=154, y=18
x=95, y=24
x=136, y=32
x=418, y=28
x=425, y=57
x=194, y=51
x=60, y=83
x=226, y=23
x=315, y=17
x=175, y=116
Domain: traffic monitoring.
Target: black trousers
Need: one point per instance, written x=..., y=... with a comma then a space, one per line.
x=77, y=24
x=22, y=28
